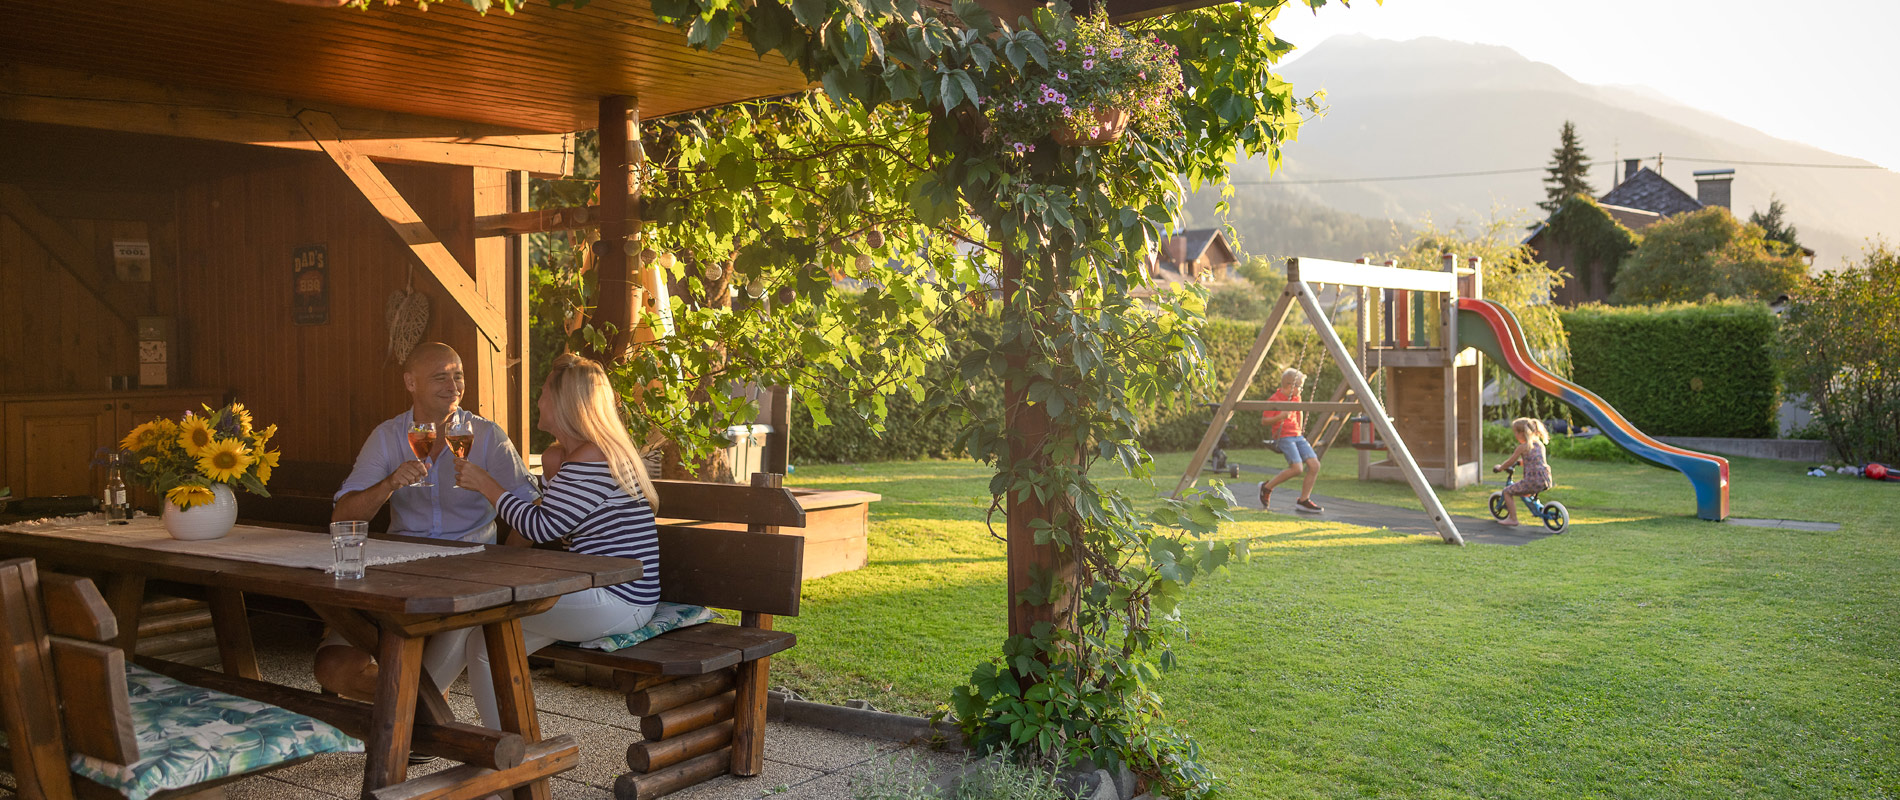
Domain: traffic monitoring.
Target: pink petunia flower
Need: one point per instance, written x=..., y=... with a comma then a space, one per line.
x=1088, y=63
x=1032, y=148
x=1020, y=148
x=1062, y=46
x=1062, y=74
x=1089, y=50
x=1115, y=53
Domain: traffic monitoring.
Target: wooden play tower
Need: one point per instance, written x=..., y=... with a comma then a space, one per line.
x=1427, y=419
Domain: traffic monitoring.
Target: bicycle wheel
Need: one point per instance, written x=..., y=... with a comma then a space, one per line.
x=1556, y=517
x=1500, y=505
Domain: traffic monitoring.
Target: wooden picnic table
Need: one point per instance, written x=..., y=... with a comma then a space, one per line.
x=389, y=612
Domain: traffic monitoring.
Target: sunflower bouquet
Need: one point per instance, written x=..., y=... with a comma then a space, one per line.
x=182, y=460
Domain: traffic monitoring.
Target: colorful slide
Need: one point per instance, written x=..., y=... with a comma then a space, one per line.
x=1493, y=329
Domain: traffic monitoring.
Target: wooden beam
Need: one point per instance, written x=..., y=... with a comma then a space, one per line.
x=1243, y=378
x=408, y=226
x=60, y=243
x=543, y=220
x=1373, y=408
x=1291, y=405
x=1314, y=270
x=61, y=97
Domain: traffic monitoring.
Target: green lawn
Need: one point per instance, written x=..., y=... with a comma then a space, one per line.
x=1643, y=654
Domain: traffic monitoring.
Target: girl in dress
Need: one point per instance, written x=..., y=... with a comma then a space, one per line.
x=1531, y=439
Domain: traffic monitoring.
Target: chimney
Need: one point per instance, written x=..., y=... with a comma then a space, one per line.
x=1712, y=186
x=1630, y=167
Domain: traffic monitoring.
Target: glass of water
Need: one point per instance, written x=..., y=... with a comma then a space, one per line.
x=347, y=540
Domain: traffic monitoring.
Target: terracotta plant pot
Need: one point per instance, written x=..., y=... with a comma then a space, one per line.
x=1109, y=124
x=209, y=521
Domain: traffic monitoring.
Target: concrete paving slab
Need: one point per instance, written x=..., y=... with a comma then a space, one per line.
x=820, y=749
x=603, y=749
x=266, y=787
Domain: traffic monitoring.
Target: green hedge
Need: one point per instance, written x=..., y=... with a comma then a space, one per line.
x=910, y=433
x=1680, y=370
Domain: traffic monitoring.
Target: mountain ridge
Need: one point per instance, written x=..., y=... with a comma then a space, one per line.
x=1427, y=106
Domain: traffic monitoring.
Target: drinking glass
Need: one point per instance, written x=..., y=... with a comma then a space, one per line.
x=461, y=438
x=347, y=541
x=422, y=441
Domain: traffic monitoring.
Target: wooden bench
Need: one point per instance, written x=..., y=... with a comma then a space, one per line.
x=699, y=692
x=68, y=705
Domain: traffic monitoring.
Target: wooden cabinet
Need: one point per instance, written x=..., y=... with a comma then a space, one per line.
x=51, y=441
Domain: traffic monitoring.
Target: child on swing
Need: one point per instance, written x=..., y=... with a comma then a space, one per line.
x=1531, y=441
x=1290, y=440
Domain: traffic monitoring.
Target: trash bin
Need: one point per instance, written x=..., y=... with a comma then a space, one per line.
x=747, y=450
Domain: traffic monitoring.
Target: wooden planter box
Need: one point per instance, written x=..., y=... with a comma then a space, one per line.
x=835, y=527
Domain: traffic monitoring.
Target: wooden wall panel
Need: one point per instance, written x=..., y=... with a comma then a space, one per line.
x=327, y=385
x=60, y=337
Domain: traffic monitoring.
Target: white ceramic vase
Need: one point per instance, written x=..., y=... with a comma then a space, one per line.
x=209, y=521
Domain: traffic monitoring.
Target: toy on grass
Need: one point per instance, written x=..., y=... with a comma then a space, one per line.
x=1879, y=472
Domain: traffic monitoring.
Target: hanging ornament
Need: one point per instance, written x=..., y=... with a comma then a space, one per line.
x=715, y=271
x=756, y=288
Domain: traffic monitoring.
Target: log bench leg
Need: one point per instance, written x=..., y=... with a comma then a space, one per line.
x=228, y=618
x=399, y=661
x=514, y=697
x=748, y=713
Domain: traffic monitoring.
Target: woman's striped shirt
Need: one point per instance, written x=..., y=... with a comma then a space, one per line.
x=583, y=503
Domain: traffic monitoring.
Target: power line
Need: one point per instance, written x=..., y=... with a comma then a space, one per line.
x=1520, y=170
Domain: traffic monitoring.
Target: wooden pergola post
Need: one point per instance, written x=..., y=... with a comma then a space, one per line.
x=614, y=266
x=1029, y=427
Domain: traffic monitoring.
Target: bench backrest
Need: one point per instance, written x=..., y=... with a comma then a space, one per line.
x=729, y=502
x=301, y=495
x=740, y=570
x=62, y=688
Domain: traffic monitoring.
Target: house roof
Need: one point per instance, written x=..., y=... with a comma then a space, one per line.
x=1648, y=191
x=1197, y=243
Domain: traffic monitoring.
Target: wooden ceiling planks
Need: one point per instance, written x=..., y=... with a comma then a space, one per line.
x=543, y=69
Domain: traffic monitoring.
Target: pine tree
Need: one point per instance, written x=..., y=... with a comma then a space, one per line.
x=1774, y=223
x=1568, y=166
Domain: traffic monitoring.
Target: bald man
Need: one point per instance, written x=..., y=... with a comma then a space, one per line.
x=384, y=472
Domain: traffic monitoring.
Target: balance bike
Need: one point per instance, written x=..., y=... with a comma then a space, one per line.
x=1554, y=515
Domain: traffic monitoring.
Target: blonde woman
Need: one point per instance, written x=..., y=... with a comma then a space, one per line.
x=597, y=495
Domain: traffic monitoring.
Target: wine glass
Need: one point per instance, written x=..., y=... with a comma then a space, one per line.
x=461, y=438
x=422, y=441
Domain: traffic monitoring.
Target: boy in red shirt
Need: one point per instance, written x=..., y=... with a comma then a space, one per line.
x=1290, y=440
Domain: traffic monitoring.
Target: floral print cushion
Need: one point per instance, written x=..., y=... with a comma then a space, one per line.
x=188, y=735
x=666, y=617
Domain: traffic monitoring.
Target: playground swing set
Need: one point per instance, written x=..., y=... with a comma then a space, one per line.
x=1433, y=327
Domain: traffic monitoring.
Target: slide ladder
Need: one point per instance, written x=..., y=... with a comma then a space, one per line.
x=1493, y=329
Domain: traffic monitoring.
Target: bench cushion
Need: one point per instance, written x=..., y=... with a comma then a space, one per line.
x=188, y=735
x=666, y=617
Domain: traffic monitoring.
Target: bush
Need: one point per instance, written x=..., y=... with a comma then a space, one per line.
x=1841, y=345
x=1500, y=439
x=994, y=779
x=911, y=432
x=1709, y=252
x=1680, y=370
x=1239, y=299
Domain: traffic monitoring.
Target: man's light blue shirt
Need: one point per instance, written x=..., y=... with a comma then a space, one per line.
x=440, y=511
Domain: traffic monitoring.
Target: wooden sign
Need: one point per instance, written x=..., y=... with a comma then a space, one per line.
x=310, y=285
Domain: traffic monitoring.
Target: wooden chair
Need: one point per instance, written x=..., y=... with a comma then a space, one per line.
x=68, y=707
x=699, y=692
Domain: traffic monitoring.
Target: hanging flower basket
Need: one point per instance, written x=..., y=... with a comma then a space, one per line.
x=1095, y=82
x=1107, y=126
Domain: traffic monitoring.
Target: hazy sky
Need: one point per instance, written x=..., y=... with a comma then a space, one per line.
x=1822, y=72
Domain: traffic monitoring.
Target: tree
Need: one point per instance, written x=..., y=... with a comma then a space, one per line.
x=1567, y=171
x=1705, y=253
x=1774, y=224
x=1840, y=343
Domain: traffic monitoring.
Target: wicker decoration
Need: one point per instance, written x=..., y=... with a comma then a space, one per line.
x=407, y=314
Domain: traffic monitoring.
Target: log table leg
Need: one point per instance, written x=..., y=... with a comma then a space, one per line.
x=399, y=661
x=514, y=692
x=228, y=618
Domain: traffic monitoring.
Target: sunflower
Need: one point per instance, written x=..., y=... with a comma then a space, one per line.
x=194, y=435
x=136, y=439
x=186, y=495
x=243, y=416
x=266, y=463
x=224, y=460
x=263, y=436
